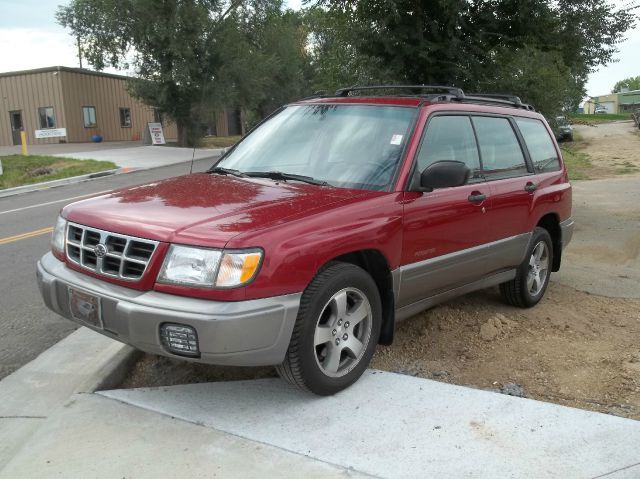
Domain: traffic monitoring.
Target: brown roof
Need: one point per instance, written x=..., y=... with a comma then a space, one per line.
x=63, y=69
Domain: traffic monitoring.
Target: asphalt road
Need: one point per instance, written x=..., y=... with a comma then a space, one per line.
x=27, y=328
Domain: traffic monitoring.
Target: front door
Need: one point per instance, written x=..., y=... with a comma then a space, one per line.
x=445, y=230
x=15, y=119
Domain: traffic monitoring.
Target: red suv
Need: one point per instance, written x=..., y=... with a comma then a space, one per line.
x=333, y=219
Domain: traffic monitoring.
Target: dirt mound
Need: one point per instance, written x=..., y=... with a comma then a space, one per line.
x=573, y=348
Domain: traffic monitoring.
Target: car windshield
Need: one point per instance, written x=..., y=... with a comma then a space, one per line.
x=348, y=146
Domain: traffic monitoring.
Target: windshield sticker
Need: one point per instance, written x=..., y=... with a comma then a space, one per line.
x=396, y=139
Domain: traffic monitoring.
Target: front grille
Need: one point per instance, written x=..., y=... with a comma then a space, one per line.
x=111, y=254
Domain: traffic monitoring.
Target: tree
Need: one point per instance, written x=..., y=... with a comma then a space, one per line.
x=480, y=44
x=194, y=56
x=632, y=83
x=171, y=45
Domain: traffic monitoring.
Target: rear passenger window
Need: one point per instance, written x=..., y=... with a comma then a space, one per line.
x=543, y=153
x=450, y=138
x=501, y=154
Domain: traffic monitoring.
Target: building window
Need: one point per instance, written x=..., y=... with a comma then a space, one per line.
x=47, y=118
x=125, y=117
x=89, y=116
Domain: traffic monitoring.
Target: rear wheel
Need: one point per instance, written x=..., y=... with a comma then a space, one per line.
x=532, y=277
x=336, y=330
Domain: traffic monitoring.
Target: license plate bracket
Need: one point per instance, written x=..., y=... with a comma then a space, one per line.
x=85, y=308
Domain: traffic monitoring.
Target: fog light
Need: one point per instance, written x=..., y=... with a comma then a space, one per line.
x=180, y=339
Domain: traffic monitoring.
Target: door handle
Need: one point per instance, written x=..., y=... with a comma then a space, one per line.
x=530, y=187
x=477, y=197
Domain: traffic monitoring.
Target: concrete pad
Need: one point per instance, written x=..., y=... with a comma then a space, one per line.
x=145, y=156
x=78, y=363
x=390, y=425
x=96, y=437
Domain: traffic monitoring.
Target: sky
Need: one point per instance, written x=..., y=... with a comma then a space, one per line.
x=30, y=38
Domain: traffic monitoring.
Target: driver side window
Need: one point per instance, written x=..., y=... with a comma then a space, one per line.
x=450, y=138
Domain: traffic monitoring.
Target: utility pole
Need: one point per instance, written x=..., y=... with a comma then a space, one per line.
x=79, y=52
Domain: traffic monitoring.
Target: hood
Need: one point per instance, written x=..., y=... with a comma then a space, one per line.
x=204, y=209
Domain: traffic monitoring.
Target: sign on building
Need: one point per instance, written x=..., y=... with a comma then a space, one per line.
x=157, y=135
x=51, y=133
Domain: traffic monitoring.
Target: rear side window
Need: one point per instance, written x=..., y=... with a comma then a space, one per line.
x=501, y=154
x=543, y=153
x=450, y=138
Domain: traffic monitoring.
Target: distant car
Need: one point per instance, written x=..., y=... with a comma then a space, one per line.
x=562, y=129
x=600, y=109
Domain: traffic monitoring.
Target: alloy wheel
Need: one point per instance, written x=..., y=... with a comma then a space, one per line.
x=342, y=332
x=538, y=268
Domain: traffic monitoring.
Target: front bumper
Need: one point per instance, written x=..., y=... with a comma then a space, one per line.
x=241, y=333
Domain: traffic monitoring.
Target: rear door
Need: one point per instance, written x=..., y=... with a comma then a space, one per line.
x=510, y=180
x=444, y=229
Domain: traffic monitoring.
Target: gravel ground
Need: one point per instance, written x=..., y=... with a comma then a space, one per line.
x=613, y=148
x=578, y=347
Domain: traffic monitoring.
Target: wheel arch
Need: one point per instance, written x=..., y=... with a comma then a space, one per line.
x=375, y=263
x=551, y=223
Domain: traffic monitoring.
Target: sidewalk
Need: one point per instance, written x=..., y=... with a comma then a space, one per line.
x=127, y=157
x=145, y=156
x=385, y=426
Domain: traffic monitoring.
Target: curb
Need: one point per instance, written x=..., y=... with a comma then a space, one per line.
x=63, y=181
x=83, y=362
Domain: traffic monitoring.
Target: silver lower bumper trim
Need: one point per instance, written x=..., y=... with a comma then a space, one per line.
x=239, y=333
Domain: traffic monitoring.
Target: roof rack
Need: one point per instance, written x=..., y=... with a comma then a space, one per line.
x=451, y=94
x=499, y=96
x=456, y=92
x=316, y=94
x=494, y=99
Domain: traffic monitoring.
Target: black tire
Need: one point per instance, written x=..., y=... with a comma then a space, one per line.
x=517, y=292
x=303, y=363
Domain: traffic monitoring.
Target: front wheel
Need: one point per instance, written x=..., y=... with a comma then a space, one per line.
x=532, y=276
x=336, y=330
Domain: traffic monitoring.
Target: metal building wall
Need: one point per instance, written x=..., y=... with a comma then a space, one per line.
x=27, y=92
x=67, y=90
x=107, y=94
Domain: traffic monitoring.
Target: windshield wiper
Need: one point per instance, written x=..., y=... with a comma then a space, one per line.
x=226, y=171
x=279, y=175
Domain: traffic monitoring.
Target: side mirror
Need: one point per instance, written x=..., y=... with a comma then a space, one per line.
x=444, y=174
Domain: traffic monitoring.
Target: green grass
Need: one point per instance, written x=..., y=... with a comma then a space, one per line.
x=599, y=117
x=24, y=170
x=627, y=168
x=578, y=163
x=219, y=141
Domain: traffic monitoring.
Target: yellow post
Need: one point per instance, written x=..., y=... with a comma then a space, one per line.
x=23, y=142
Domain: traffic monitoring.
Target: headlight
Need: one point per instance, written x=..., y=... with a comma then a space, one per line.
x=190, y=266
x=58, y=236
x=201, y=267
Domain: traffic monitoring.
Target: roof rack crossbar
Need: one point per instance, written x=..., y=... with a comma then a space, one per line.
x=498, y=96
x=505, y=100
x=457, y=92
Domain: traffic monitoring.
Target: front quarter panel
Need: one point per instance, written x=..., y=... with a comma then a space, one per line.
x=296, y=250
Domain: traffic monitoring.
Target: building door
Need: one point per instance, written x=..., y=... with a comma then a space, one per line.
x=16, y=125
